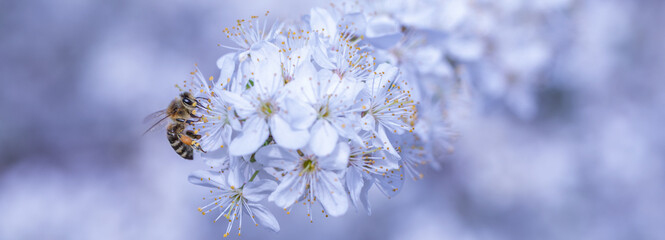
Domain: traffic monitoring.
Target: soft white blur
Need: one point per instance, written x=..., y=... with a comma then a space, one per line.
x=79, y=76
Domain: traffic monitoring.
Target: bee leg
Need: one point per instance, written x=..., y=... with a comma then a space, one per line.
x=202, y=107
x=197, y=146
x=202, y=98
x=193, y=135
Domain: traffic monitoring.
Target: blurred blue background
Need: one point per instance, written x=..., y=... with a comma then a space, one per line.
x=78, y=77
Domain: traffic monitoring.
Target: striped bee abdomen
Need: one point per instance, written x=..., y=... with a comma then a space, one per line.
x=185, y=151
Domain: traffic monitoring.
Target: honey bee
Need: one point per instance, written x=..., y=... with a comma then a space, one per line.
x=180, y=112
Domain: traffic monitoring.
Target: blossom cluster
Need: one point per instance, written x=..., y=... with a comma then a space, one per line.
x=309, y=113
x=496, y=54
x=320, y=110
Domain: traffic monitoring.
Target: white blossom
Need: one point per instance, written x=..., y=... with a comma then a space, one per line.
x=233, y=196
x=309, y=178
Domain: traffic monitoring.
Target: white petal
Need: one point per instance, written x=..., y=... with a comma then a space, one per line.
x=263, y=217
x=243, y=107
x=391, y=183
x=367, y=122
x=350, y=90
x=258, y=190
x=267, y=68
x=268, y=77
x=302, y=90
x=288, y=191
x=386, y=160
x=385, y=73
x=345, y=127
x=386, y=142
x=300, y=56
x=364, y=97
x=216, y=158
x=227, y=65
x=323, y=139
x=381, y=25
x=215, y=138
x=354, y=183
x=286, y=136
x=254, y=134
x=264, y=51
x=331, y=193
x=208, y=179
x=338, y=159
x=320, y=56
x=227, y=132
x=321, y=83
x=299, y=115
x=385, y=41
x=275, y=156
x=336, y=85
x=355, y=21
x=364, y=192
x=320, y=20
x=235, y=178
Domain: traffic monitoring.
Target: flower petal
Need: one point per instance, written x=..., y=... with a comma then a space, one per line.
x=338, y=159
x=331, y=194
x=345, y=127
x=391, y=183
x=254, y=134
x=301, y=87
x=243, y=107
x=385, y=142
x=217, y=158
x=324, y=138
x=319, y=54
x=354, y=184
x=267, y=68
x=208, y=179
x=288, y=191
x=235, y=178
x=321, y=21
x=258, y=189
x=299, y=115
x=263, y=216
x=364, y=192
x=367, y=122
x=321, y=83
x=381, y=25
x=286, y=136
x=305, y=72
x=275, y=156
x=355, y=21
x=227, y=65
x=300, y=56
x=381, y=78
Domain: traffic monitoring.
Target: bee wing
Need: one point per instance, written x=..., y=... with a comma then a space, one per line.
x=155, y=116
x=158, y=119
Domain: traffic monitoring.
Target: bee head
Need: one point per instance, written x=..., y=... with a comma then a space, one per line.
x=188, y=100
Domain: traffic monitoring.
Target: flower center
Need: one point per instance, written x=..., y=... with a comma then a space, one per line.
x=324, y=112
x=308, y=166
x=267, y=108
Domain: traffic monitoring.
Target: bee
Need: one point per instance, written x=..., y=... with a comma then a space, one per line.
x=180, y=112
